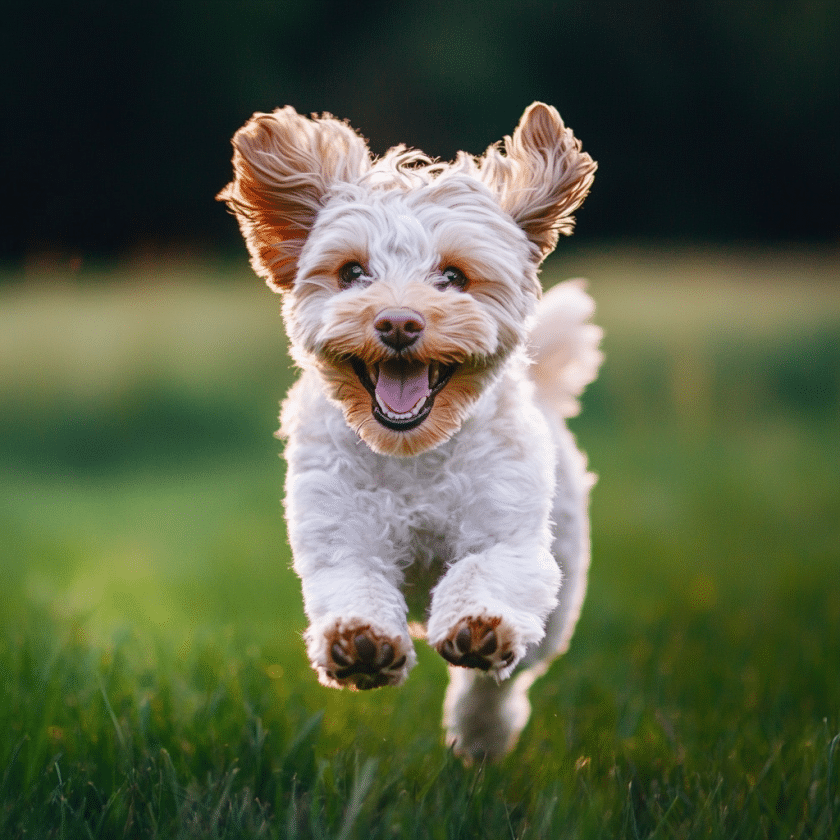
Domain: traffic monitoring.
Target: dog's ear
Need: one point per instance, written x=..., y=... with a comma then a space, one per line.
x=284, y=164
x=542, y=176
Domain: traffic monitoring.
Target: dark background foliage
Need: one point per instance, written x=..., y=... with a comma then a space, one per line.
x=715, y=120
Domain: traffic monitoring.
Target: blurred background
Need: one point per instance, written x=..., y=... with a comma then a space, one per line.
x=716, y=120
x=141, y=363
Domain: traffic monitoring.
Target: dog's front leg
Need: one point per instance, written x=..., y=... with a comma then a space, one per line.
x=490, y=606
x=494, y=600
x=358, y=636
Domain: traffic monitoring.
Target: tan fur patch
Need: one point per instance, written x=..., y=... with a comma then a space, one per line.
x=450, y=409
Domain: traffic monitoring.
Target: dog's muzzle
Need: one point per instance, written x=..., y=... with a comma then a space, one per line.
x=403, y=392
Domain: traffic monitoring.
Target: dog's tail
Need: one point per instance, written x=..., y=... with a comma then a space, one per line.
x=564, y=347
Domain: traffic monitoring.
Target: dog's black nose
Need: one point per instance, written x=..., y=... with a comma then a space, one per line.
x=399, y=328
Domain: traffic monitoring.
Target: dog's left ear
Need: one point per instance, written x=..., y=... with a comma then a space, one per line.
x=542, y=176
x=284, y=164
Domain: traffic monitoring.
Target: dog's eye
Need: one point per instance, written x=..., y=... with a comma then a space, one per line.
x=350, y=274
x=453, y=278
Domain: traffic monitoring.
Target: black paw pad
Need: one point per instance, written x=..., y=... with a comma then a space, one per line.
x=364, y=661
x=475, y=645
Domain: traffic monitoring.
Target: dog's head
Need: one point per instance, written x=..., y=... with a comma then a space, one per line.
x=407, y=282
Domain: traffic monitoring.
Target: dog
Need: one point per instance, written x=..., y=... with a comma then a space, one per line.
x=428, y=458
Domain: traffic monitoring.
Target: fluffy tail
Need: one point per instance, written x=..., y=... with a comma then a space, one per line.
x=564, y=347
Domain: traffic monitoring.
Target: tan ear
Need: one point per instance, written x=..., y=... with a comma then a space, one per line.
x=284, y=164
x=542, y=176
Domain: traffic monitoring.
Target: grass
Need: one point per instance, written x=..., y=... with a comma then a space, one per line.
x=154, y=683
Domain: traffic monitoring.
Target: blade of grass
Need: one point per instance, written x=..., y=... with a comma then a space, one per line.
x=110, y=710
x=361, y=787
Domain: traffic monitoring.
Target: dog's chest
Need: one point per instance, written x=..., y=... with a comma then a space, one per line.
x=422, y=501
x=423, y=515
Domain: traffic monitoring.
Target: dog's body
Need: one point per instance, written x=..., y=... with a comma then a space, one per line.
x=426, y=444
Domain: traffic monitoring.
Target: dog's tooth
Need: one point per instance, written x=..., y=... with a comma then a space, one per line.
x=402, y=415
x=434, y=369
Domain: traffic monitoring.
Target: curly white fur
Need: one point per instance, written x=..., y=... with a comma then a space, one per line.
x=425, y=437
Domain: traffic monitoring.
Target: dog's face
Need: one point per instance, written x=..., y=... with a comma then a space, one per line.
x=407, y=301
x=407, y=283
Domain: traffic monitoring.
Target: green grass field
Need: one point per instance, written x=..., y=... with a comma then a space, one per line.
x=154, y=682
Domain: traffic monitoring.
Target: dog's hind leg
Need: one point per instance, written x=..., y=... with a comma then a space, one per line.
x=483, y=718
x=570, y=547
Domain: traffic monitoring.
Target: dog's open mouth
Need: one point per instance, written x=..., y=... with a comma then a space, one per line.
x=403, y=391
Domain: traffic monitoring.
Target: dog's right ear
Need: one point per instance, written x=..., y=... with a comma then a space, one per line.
x=284, y=164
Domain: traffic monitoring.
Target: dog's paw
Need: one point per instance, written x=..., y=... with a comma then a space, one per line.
x=488, y=644
x=359, y=657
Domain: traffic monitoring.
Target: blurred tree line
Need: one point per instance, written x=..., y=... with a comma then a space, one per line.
x=716, y=119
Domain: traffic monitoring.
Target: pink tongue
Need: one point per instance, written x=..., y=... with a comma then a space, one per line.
x=402, y=384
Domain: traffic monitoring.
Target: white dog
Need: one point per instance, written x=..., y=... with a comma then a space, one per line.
x=428, y=458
